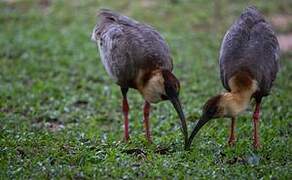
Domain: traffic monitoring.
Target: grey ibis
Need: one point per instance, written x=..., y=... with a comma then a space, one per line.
x=249, y=62
x=136, y=56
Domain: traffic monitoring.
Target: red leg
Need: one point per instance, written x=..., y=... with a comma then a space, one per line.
x=146, y=120
x=256, y=121
x=232, y=134
x=125, y=112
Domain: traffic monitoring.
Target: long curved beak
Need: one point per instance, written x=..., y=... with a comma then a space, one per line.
x=203, y=120
x=177, y=105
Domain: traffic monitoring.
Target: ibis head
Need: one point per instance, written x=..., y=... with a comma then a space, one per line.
x=228, y=104
x=162, y=85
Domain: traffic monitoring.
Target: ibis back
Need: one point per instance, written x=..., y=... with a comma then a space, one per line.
x=250, y=45
x=127, y=46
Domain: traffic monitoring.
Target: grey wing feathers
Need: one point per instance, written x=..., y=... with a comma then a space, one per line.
x=127, y=45
x=238, y=35
x=108, y=15
x=250, y=44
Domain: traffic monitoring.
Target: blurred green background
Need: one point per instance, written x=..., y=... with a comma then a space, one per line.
x=60, y=113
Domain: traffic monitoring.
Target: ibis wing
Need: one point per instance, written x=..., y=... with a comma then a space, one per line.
x=250, y=44
x=126, y=46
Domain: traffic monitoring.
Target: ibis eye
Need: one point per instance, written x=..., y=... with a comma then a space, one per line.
x=164, y=97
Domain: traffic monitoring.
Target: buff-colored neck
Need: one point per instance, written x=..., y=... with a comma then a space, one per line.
x=237, y=100
x=150, y=85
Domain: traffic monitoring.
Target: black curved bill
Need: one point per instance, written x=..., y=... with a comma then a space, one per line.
x=177, y=105
x=199, y=125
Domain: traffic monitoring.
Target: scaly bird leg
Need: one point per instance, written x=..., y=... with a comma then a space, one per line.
x=231, y=140
x=256, y=121
x=146, y=113
x=125, y=112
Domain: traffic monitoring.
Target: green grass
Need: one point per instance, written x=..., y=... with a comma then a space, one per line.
x=60, y=113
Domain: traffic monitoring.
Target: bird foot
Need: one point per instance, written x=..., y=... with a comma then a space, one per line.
x=149, y=140
x=126, y=139
x=231, y=142
x=256, y=145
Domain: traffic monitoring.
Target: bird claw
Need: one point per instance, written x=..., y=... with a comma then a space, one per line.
x=256, y=145
x=126, y=139
x=149, y=141
x=231, y=142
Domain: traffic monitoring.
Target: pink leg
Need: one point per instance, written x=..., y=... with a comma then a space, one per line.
x=146, y=120
x=232, y=134
x=256, y=121
x=125, y=112
x=126, y=120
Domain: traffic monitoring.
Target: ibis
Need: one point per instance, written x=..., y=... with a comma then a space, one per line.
x=249, y=62
x=136, y=56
